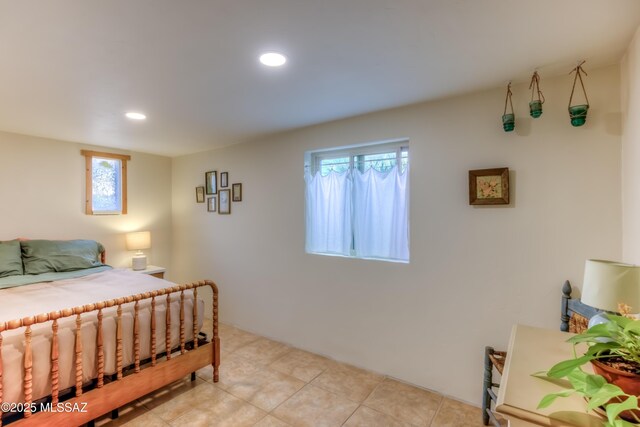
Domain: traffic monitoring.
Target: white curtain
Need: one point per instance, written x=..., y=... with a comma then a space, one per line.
x=329, y=213
x=380, y=214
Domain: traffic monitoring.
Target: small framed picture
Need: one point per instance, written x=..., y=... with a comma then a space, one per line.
x=211, y=182
x=211, y=204
x=224, y=202
x=489, y=186
x=200, y=194
x=224, y=179
x=237, y=192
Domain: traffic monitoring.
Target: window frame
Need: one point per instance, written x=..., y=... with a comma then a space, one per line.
x=313, y=165
x=316, y=157
x=89, y=156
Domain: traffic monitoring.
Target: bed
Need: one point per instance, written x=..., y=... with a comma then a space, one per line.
x=92, y=338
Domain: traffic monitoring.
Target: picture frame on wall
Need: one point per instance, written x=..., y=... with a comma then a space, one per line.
x=237, y=192
x=211, y=182
x=200, y=194
x=211, y=204
x=224, y=179
x=489, y=186
x=224, y=202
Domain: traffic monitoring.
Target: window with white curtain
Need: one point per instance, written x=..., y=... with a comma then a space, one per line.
x=357, y=201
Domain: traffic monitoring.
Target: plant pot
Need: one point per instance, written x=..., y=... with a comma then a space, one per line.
x=578, y=114
x=627, y=381
x=535, y=109
x=508, y=122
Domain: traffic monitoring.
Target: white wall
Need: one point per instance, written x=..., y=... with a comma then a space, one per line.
x=630, y=90
x=42, y=190
x=474, y=271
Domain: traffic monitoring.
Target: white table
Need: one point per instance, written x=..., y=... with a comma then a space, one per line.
x=533, y=350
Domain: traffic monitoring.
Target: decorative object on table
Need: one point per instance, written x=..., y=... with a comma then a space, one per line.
x=224, y=202
x=138, y=241
x=211, y=204
x=613, y=344
x=200, y=194
x=489, y=186
x=211, y=182
x=535, y=106
x=224, y=179
x=237, y=192
x=508, y=119
x=578, y=113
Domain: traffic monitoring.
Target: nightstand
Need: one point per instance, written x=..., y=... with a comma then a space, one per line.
x=151, y=270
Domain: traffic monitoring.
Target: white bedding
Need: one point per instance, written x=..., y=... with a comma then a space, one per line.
x=30, y=300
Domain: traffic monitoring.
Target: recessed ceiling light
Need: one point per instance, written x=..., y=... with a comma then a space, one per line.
x=273, y=59
x=135, y=116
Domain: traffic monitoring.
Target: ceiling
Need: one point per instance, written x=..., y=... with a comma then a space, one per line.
x=70, y=69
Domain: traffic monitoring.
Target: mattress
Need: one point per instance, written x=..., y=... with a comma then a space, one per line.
x=30, y=300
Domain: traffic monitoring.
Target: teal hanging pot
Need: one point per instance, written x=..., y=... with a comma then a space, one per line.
x=508, y=119
x=578, y=113
x=535, y=106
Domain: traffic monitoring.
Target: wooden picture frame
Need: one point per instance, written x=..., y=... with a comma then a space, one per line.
x=237, y=192
x=224, y=202
x=224, y=179
x=489, y=186
x=200, y=194
x=211, y=204
x=211, y=182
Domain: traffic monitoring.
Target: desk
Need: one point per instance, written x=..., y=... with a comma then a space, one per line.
x=533, y=350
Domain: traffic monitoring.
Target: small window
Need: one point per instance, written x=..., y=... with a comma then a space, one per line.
x=357, y=201
x=106, y=183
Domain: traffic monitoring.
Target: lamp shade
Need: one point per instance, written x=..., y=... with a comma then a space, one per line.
x=138, y=240
x=608, y=283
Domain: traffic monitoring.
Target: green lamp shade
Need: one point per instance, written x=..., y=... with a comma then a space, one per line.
x=608, y=283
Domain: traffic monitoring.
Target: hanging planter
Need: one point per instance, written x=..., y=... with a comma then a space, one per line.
x=578, y=113
x=508, y=119
x=535, y=106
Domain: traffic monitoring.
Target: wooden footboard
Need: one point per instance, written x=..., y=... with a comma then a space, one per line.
x=109, y=394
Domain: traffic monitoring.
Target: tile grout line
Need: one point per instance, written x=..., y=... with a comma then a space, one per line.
x=435, y=415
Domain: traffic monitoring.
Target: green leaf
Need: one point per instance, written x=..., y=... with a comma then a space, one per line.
x=551, y=397
x=614, y=409
x=603, y=395
x=578, y=380
x=602, y=346
x=633, y=326
x=565, y=367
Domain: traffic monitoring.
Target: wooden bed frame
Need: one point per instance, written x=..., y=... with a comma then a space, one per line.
x=108, y=393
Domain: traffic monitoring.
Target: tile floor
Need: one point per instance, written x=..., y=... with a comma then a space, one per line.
x=264, y=383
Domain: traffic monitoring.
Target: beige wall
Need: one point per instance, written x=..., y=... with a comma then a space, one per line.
x=630, y=90
x=474, y=271
x=42, y=188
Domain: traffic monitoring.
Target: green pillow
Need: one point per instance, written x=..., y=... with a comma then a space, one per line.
x=45, y=256
x=10, y=259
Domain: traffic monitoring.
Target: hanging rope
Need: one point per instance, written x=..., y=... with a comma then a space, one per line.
x=579, y=71
x=508, y=99
x=535, y=87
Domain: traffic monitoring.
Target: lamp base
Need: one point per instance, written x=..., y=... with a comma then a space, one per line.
x=139, y=262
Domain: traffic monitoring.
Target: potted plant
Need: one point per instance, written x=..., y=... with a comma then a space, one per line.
x=613, y=348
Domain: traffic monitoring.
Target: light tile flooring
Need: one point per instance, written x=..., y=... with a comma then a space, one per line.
x=264, y=383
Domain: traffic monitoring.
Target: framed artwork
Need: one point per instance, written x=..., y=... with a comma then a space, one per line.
x=224, y=202
x=200, y=194
x=237, y=192
x=211, y=182
x=489, y=186
x=211, y=204
x=224, y=179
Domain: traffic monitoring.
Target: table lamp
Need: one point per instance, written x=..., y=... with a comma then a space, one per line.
x=136, y=242
x=609, y=283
